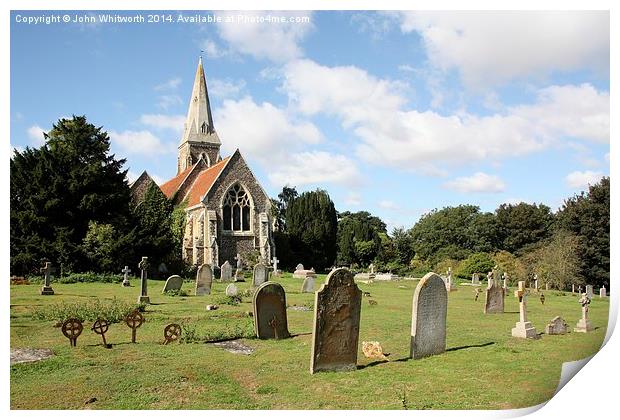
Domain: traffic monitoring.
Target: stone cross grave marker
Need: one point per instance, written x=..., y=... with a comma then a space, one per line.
x=590, y=291
x=231, y=290
x=126, y=272
x=580, y=289
x=308, y=285
x=536, y=282
x=204, y=280
x=226, y=272
x=269, y=303
x=584, y=325
x=143, y=266
x=371, y=268
x=494, y=298
x=260, y=274
x=336, y=325
x=174, y=283
x=505, y=277
x=450, y=286
x=47, y=272
x=72, y=328
x=134, y=320
x=557, y=326
x=100, y=326
x=523, y=328
x=602, y=292
x=428, y=317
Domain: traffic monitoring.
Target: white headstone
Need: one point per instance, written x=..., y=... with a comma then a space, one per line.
x=261, y=274
x=603, y=292
x=226, y=271
x=308, y=285
x=174, y=283
x=231, y=290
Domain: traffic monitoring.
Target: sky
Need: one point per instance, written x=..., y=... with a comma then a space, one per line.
x=395, y=113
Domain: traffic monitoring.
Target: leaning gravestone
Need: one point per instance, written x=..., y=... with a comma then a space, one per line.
x=428, y=318
x=173, y=284
x=226, y=271
x=261, y=274
x=204, y=280
x=269, y=303
x=336, y=326
x=308, y=285
x=556, y=326
x=494, y=302
x=231, y=290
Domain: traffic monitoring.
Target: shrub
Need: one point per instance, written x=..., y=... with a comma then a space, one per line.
x=179, y=292
x=228, y=300
x=113, y=311
x=480, y=262
x=90, y=277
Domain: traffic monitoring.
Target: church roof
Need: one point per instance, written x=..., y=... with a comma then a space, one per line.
x=172, y=186
x=204, y=182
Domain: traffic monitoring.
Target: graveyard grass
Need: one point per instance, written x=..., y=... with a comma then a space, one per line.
x=484, y=367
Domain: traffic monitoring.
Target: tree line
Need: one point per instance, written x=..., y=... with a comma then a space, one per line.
x=71, y=204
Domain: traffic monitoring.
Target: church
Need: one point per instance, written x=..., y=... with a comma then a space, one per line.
x=227, y=211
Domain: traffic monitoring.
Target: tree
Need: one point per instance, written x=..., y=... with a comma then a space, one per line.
x=480, y=262
x=515, y=268
x=279, y=206
x=587, y=216
x=522, y=225
x=56, y=190
x=312, y=227
x=358, y=237
x=402, y=243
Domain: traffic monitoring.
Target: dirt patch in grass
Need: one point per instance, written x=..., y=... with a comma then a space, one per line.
x=24, y=355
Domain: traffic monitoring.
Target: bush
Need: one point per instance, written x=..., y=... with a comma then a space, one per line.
x=228, y=300
x=179, y=292
x=480, y=262
x=114, y=311
x=90, y=277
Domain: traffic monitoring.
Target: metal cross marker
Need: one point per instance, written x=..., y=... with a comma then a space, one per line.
x=172, y=333
x=126, y=272
x=72, y=328
x=134, y=320
x=100, y=326
x=542, y=298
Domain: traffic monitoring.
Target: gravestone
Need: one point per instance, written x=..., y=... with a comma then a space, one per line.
x=494, y=299
x=590, y=291
x=573, y=288
x=260, y=275
x=557, y=326
x=204, y=280
x=275, y=262
x=475, y=279
x=126, y=272
x=523, y=328
x=226, y=271
x=143, y=266
x=231, y=290
x=269, y=303
x=602, y=292
x=584, y=325
x=299, y=267
x=336, y=326
x=174, y=283
x=428, y=317
x=47, y=272
x=308, y=285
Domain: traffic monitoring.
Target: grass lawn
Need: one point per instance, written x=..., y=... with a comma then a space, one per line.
x=484, y=367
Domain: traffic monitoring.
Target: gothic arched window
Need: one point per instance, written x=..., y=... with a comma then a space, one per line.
x=236, y=209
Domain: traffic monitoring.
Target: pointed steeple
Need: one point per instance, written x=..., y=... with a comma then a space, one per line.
x=199, y=122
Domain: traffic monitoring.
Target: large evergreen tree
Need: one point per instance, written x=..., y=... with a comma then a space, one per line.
x=523, y=225
x=358, y=237
x=58, y=189
x=311, y=224
x=587, y=216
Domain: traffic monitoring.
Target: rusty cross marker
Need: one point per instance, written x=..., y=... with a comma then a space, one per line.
x=274, y=324
x=542, y=298
x=72, y=328
x=100, y=326
x=134, y=320
x=172, y=333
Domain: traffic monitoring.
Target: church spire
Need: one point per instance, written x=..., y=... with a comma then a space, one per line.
x=199, y=122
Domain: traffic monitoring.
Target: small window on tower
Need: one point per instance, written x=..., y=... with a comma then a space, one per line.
x=203, y=128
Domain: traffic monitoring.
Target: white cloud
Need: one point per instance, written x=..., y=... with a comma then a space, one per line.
x=140, y=143
x=496, y=46
x=425, y=141
x=278, y=42
x=164, y=122
x=353, y=199
x=171, y=84
x=262, y=130
x=35, y=134
x=581, y=179
x=388, y=205
x=213, y=50
x=168, y=101
x=476, y=183
x=315, y=167
x=225, y=88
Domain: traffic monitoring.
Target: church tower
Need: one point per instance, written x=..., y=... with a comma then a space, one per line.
x=199, y=137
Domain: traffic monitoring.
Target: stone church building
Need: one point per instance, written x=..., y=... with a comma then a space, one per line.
x=227, y=210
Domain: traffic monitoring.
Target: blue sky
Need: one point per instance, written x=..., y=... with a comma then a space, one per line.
x=394, y=113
